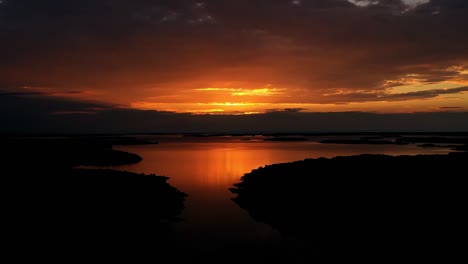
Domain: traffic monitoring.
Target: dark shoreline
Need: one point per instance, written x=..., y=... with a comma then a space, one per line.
x=252, y=133
x=79, y=210
x=123, y=209
x=363, y=207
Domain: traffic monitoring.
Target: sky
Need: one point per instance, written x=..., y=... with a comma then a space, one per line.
x=221, y=59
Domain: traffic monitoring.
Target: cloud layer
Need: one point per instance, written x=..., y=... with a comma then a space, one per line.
x=124, y=52
x=29, y=114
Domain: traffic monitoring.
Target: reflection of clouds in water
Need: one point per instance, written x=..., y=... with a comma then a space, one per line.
x=204, y=165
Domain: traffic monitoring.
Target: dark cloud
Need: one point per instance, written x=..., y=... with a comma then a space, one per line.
x=369, y=97
x=25, y=92
x=40, y=103
x=6, y=93
x=425, y=94
x=285, y=110
x=451, y=108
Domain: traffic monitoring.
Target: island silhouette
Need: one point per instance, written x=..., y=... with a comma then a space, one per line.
x=54, y=204
x=366, y=207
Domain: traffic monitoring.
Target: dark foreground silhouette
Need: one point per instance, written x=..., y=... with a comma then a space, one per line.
x=364, y=208
x=423, y=140
x=53, y=208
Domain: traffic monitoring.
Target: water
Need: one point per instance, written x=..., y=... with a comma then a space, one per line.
x=205, y=168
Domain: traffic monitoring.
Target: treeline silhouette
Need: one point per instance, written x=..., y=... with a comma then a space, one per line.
x=366, y=207
x=425, y=140
x=54, y=206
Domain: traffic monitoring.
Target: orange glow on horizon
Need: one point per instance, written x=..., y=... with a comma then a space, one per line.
x=408, y=97
x=225, y=100
x=266, y=91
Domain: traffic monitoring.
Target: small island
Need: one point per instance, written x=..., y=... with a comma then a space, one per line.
x=362, y=141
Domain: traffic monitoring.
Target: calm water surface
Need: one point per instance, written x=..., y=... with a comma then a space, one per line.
x=205, y=168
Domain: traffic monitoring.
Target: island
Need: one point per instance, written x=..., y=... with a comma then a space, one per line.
x=365, y=207
x=52, y=200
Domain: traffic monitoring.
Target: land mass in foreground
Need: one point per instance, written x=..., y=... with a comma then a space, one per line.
x=52, y=203
x=366, y=207
x=337, y=206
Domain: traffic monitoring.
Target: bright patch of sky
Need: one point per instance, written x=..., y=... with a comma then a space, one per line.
x=364, y=3
x=409, y=3
x=415, y=3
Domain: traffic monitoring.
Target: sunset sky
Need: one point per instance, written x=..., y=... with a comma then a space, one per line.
x=223, y=57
